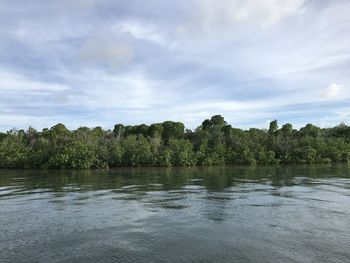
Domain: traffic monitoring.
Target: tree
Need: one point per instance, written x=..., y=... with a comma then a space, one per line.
x=273, y=127
x=216, y=120
x=118, y=131
x=169, y=144
x=310, y=130
x=156, y=130
x=172, y=130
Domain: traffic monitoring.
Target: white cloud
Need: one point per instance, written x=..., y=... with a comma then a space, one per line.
x=77, y=4
x=124, y=90
x=266, y=12
x=334, y=118
x=119, y=91
x=113, y=52
x=249, y=60
x=333, y=90
x=141, y=30
x=214, y=16
x=14, y=82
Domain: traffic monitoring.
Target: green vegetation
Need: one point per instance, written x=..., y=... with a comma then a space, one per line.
x=169, y=144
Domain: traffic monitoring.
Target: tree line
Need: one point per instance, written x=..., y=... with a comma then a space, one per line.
x=169, y=144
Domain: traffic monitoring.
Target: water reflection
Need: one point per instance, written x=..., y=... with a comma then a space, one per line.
x=213, y=178
x=250, y=214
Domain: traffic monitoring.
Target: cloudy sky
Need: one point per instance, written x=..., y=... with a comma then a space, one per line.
x=101, y=62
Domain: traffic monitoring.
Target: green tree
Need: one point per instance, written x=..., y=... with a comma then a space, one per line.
x=273, y=127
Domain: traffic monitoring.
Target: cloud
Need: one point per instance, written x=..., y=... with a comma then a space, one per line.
x=265, y=12
x=112, y=52
x=14, y=82
x=333, y=90
x=101, y=62
x=77, y=4
x=141, y=30
x=121, y=91
x=211, y=16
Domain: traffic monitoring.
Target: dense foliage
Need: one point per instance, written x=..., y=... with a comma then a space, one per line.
x=169, y=144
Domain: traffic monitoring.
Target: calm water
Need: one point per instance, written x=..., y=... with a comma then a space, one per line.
x=242, y=214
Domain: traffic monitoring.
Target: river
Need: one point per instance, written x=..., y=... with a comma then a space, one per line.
x=218, y=214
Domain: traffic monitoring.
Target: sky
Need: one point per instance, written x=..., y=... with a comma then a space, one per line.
x=101, y=62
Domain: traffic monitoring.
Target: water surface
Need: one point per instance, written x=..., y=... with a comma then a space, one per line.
x=230, y=214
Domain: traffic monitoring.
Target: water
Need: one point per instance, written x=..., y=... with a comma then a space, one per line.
x=241, y=214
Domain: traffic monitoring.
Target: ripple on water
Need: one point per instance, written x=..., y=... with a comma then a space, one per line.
x=154, y=215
